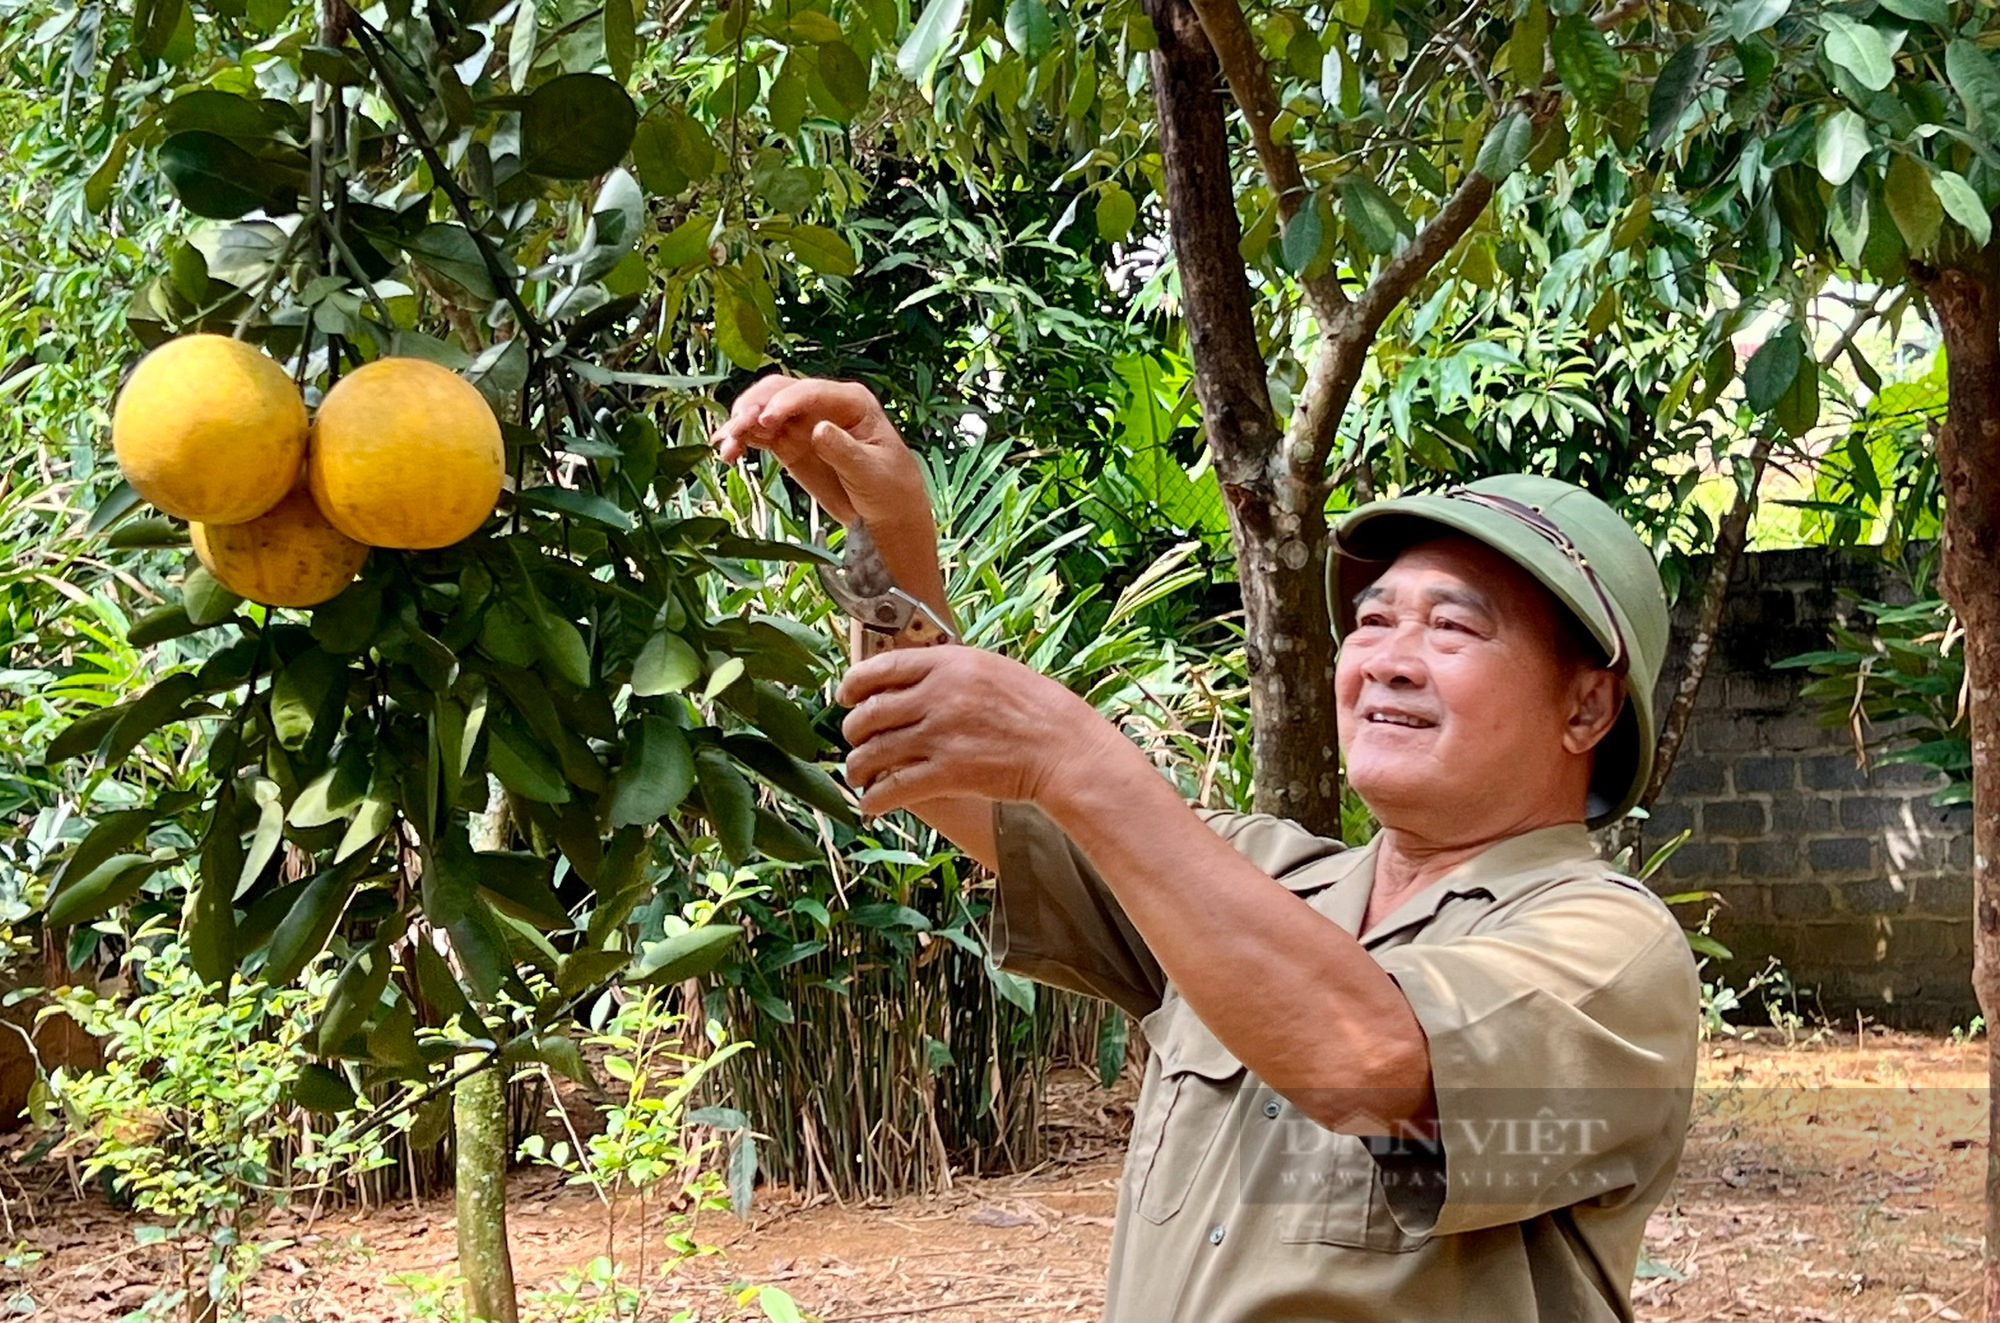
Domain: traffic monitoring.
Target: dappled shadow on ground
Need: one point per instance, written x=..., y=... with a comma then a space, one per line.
x=1831, y=1179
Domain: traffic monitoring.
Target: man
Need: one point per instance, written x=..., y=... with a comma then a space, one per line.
x=1446, y=1075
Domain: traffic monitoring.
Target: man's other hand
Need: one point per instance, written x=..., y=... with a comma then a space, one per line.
x=937, y=723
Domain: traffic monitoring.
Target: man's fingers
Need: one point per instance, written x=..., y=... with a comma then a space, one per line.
x=804, y=402
x=889, y=710
x=898, y=669
x=867, y=763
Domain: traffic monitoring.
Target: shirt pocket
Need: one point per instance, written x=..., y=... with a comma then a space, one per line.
x=1174, y=1137
x=1349, y=1199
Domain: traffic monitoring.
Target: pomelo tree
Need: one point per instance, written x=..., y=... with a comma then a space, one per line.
x=465, y=775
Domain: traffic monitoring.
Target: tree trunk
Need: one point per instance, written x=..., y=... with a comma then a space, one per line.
x=1277, y=513
x=1967, y=303
x=479, y=1134
x=1730, y=539
x=479, y=1143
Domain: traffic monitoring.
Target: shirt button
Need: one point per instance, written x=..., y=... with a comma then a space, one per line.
x=1272, y=1108
x=1215, y=1234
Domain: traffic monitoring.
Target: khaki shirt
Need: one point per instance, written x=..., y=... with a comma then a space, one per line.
x=1561, y=1005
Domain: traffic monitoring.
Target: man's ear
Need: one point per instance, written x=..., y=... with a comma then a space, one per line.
x=1596, y=698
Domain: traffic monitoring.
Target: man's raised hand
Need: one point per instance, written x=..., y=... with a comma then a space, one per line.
x=835, y=439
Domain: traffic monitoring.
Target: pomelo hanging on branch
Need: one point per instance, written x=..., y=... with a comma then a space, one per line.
x=406, y=454
x=210, y=430
x=287, y=556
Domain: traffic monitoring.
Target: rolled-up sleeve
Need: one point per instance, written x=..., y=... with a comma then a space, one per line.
x=1056, y=921
x=1562, y=1048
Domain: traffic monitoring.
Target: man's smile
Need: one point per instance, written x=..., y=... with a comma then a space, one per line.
x=1389, y=716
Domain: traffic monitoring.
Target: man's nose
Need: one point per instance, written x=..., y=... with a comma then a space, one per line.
x=1398, y=659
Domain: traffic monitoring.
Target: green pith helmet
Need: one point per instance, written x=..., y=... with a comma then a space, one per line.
x=1574, y=545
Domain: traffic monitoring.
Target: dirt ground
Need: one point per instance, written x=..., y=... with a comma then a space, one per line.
x=1836, y=1178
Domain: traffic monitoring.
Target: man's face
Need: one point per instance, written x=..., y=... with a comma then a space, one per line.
x=1456, y=703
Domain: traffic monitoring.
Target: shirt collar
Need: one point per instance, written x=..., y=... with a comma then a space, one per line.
x=1500, y=871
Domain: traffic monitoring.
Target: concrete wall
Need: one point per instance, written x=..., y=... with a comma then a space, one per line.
x=1849, y=877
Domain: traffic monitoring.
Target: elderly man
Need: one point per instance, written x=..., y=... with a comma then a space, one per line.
x=1445, y=1075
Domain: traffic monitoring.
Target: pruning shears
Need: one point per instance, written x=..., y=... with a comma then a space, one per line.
x=881, y=616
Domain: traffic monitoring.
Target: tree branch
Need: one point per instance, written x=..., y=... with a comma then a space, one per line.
x=1250, y=83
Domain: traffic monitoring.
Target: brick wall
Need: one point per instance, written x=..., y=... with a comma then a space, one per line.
x=1849, y=877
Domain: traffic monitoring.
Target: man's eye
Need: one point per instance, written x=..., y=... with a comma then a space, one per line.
x=1447, y=623
x=1373, y=620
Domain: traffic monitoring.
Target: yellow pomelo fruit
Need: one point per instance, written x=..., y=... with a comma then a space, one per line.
x=210, y=430
x=287, y=556
x=406, y=454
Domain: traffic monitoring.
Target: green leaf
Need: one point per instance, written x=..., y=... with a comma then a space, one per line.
x=722, y=677
x=562, y=647
x=576, y=127
x=1748, y=17
x=845, y=76
x=655, y=777
x=820, y=249
x=159, y=706
x=804, y=781
x=1798, y=410
x=264, y=839
x=1116, y=213
x=1506, y=145
x=619, y=38
x=925, y=45
x=450, y=251
x=1673, y=92
x=1859, y=49
x=666, y=665
x=687, y=243
x=1976, y=80
x=302, y=933
x=1112, y=1032
x=214, y=176
x=1527, y=48
x=301, y=691
x=1585, y=62
x=99, y=891
x=1304, y=234
x=1372, y=213
x=518, y=884
x=729, y=802
x=1842, y=146
x=211, y=910
x=1847, y=219
x=1029, y=29
x=83, y=735
x=688, y=955
x=393, y=1040
x=1961, y=202
x=324, y=1091
x=777, y=839
x=1772, y=369
x=206, y=601
x=1920, y=11
x=102, y=185
x=356, y=994
x=521, y=46
x=1913, y=203
x=786, y=105
x=523, y=766
x=580, y=504
x=440, y=988
x=370, y=820
x=740, y=331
